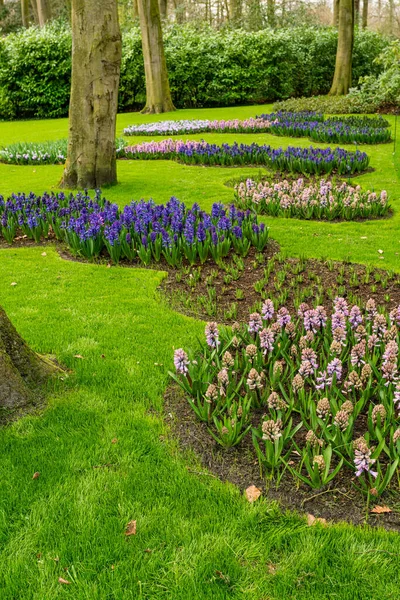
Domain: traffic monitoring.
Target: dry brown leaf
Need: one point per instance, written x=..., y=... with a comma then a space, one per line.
x=271, y=568
x=114, y=440
x=378, y=510
x=78, y=356
x=311, y=520
x=252, y=493
x=64, y=581
x=131, y=528
x=36, y=475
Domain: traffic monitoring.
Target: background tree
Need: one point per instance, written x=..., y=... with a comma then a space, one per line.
x=25, y=12
x=21, y=370
x=365, y=14
x=96, y=62
x=158, y=95
x=43, y=11
x=344, y=54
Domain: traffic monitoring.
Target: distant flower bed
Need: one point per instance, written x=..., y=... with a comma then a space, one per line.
x=344, y=130
x=199, y=126
x=142, y=231
x=310, y=160
x=41, y=153
x=322, y=200
x=329, y=389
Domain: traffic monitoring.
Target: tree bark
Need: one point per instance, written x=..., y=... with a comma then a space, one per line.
x=96, y=62
x=235, y=10
x=35, y=12
x=21, y=370
x=163, y=8
x=344, y=55
x=25, y=12
x=357, y=4
x=44, y=11
x=365, y=14
x=335, y=20
x=158, y=95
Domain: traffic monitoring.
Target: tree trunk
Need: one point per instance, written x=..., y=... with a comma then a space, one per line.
x=21, y=370
x=271, y=12
x=365, y=14
x=335, y=20
x=163, y=8
x=158, y=95
x=96, y=62
x=25, y=12
x=35, y=12
x=357, y=4
x=235, y=10
x=344, y=55
x=391, y=16
x=44, y=11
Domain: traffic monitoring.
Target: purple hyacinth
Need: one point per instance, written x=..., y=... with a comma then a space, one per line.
x=335, y=367
x=356, y=317
x=340, y=305
x=362, y=458
x=283, y=317
x=267, y=310
x=338, y=320
x=181, y=361
x=267, y=339
x=255, y=323
x=212, y=335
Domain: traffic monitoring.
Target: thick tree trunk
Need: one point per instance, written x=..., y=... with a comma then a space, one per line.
x=44, y=11
x=25, y=12
x=365, y=14
x=21, y=370
x=158, y=95
x=35, y=12
x=335, y=19
x=96, y=62
x=163, y=8
x=344, y=55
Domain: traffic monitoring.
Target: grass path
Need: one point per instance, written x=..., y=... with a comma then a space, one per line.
x=190, y=528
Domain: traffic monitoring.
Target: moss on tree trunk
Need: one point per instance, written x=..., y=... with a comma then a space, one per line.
x=344, y=55
x=158, y=95
x=96, y=63
x=21, y=370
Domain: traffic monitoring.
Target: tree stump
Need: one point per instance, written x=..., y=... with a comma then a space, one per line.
x=21, y=369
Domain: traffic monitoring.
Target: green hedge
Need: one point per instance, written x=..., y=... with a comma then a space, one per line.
x=206, y=67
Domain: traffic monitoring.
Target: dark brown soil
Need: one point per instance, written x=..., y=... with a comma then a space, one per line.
x=308, y=280
x=339, y=501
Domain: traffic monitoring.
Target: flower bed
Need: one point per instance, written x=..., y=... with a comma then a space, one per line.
x=360, y=130
x=142, y=231
x=310, y=160
x=257, y=125
x=329, y=387
x=322, y=200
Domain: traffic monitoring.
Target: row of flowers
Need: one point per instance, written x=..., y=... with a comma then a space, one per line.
x=257, y=125
x=323, y=200
x=362, y=130
x=142, y=231
x=334, y=130
x=316, y=161
x=328, y=382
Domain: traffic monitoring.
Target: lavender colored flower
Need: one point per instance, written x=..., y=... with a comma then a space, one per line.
x=267, y=340
x=283, y=317
x=335, y=367
x=212, y=335
x=181, y=361
x=267, y=310
x=255, y=323
x=356, y=317
x=362, y=458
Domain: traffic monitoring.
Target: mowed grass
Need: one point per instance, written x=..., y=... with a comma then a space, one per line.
x=196, y=537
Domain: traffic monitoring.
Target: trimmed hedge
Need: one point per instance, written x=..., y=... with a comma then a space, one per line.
x=206, y=67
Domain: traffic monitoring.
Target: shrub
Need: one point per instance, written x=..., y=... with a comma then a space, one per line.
x=313, y=201
x=296, y=160
x=206, y=67
x=336, y=378
x=339, y=105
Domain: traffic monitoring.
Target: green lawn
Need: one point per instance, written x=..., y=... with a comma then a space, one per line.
x=190, y=527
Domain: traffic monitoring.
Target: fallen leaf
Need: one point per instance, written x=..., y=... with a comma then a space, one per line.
x=311, y=520
x=114, y=440
x=103, y=356
x=64, y=581
x=44, y=253
x=14, y=283
x=363, y=237
x=131, y=528
x=36, y=475
x=380, y=251
x=78, y=356
x=271, y=568
x=148, y=550
x=252, y=493
x=378, y=510
x=39, y=555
